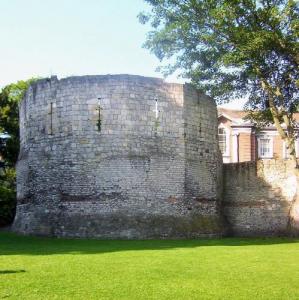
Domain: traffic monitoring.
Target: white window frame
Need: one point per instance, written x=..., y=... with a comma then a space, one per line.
x=259, y=146
x=227, y=141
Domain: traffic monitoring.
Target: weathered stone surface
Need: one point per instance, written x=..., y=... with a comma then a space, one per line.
x=99, y=158
x=258, y=197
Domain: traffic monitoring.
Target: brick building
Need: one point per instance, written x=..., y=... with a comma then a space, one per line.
x=239, y=141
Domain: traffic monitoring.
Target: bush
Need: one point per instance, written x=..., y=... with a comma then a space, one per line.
x=7, y=196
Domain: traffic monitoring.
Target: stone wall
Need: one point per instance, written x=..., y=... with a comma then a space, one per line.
x=258, y=197
x=118, y=156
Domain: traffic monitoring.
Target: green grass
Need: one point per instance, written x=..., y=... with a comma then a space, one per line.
x=40, y=268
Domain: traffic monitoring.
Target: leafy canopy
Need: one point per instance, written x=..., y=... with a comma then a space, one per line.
x=230, y=48
x=10, y=97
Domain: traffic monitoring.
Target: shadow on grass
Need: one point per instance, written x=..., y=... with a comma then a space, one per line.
x=3, y=272
x=13, y=244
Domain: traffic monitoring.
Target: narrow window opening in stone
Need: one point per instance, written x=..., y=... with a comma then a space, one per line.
x=51, y=118
x=99, y=123
x=156, y=109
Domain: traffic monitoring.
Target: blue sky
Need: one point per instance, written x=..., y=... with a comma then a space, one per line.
x=73, y=37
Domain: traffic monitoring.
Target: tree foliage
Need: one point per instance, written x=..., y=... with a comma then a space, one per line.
x=233, y=48
x=10, y=97
x=7, y=196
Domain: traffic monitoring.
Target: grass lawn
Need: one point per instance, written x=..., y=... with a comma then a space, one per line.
x=40, y=268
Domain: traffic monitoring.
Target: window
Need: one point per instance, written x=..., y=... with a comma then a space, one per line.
x=265, y=147
x=222, y=140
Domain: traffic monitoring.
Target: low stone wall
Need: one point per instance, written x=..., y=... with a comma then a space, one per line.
x=259, y=196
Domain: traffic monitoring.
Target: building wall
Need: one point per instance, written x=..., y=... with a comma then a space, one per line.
x=98, y=158
x=253, y=148
x=277, y=147
x=245, y=146
x=248, y=143
x=258, y=197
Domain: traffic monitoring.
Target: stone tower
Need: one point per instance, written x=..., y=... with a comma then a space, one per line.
x=118, y=156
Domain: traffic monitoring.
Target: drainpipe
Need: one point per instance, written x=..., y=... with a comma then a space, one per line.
x=236, y=154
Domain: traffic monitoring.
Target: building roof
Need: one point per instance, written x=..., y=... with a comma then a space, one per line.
x=234, y=114
x=237, y=116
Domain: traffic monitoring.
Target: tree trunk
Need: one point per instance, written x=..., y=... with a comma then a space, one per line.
x=287, y=135
x=291, y=148
x=293, y=223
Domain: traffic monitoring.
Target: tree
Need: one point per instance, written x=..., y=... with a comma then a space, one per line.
x=10, y=97
x=232, y=48
x=7, y=196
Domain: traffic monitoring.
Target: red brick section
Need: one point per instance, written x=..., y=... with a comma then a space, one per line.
x=244, y=146
x=277, y=147
x=254, y=154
